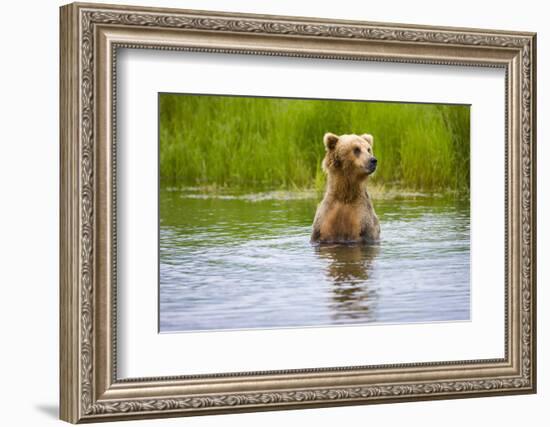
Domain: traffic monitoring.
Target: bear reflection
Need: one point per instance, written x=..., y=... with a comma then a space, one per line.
x=348, y=268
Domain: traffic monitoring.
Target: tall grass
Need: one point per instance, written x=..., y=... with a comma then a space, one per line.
x=246, y=142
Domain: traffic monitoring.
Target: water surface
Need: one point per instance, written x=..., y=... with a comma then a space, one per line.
x=241, y=261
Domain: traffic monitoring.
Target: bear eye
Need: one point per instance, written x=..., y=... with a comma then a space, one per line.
x=370, y=151
x=357, y=151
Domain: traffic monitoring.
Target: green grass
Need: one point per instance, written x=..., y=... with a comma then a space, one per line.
x=266, y=142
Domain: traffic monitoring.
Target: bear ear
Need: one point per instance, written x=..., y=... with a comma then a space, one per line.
x=368, y=137
x=330, y=141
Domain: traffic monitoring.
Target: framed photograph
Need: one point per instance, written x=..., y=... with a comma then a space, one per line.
x=265, y=212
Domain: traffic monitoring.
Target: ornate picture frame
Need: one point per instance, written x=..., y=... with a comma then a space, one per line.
x=90, y=37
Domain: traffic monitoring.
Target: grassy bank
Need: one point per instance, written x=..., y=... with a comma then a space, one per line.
x=254, y=142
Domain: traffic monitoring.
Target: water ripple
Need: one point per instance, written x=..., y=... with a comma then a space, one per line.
x=238, y=263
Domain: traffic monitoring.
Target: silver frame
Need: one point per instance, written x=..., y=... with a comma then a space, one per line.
x=90, y=37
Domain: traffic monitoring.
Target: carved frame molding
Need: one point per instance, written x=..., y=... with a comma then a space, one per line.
x=90, y=37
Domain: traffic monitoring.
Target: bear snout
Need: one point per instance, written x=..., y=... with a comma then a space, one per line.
x=371, y=165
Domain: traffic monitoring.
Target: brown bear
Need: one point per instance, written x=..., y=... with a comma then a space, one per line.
x=346, y=214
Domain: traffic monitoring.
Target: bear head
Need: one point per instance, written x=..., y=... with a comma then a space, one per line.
x=351, y=155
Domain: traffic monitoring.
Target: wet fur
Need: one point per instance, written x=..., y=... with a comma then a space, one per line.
x=346, y=213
